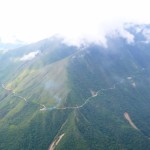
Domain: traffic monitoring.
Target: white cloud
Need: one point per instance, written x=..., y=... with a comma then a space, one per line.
x=138, y=29
x=122, y=32
x=146, y=33
x=76, y=20
x=29, y=56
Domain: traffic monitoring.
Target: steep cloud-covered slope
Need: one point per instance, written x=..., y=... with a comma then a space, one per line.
x=55, y=96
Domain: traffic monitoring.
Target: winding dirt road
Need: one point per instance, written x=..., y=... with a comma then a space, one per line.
x=14, y=93
x=44, y=108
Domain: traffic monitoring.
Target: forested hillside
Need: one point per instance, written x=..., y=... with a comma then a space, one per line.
x=55, y=96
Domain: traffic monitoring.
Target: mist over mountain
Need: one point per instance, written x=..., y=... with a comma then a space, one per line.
x=9, y=46
x=91, y=95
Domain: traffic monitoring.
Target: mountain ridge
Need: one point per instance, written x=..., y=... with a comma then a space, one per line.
x=67, y=97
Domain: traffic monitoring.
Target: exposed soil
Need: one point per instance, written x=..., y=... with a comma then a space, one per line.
x=127, y=117
x=56, y=142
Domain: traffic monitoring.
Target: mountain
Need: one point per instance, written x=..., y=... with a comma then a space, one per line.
x=55, y=96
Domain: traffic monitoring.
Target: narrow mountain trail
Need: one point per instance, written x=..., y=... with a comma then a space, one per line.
x=21, y=97
x=88, y=99
x=44, y=108
x=14, y=93
x=127, y=78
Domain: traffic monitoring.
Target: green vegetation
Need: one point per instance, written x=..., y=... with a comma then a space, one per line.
x=62, y=79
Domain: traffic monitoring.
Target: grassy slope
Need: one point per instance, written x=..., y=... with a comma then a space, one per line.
x=41, y=81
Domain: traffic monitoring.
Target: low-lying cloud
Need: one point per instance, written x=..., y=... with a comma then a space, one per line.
x=29, y=56
x=123, y=33
x=126, y=35
x=100, y=37
x=146, y=33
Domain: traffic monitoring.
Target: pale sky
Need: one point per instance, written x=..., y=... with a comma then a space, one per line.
x=32, y=20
